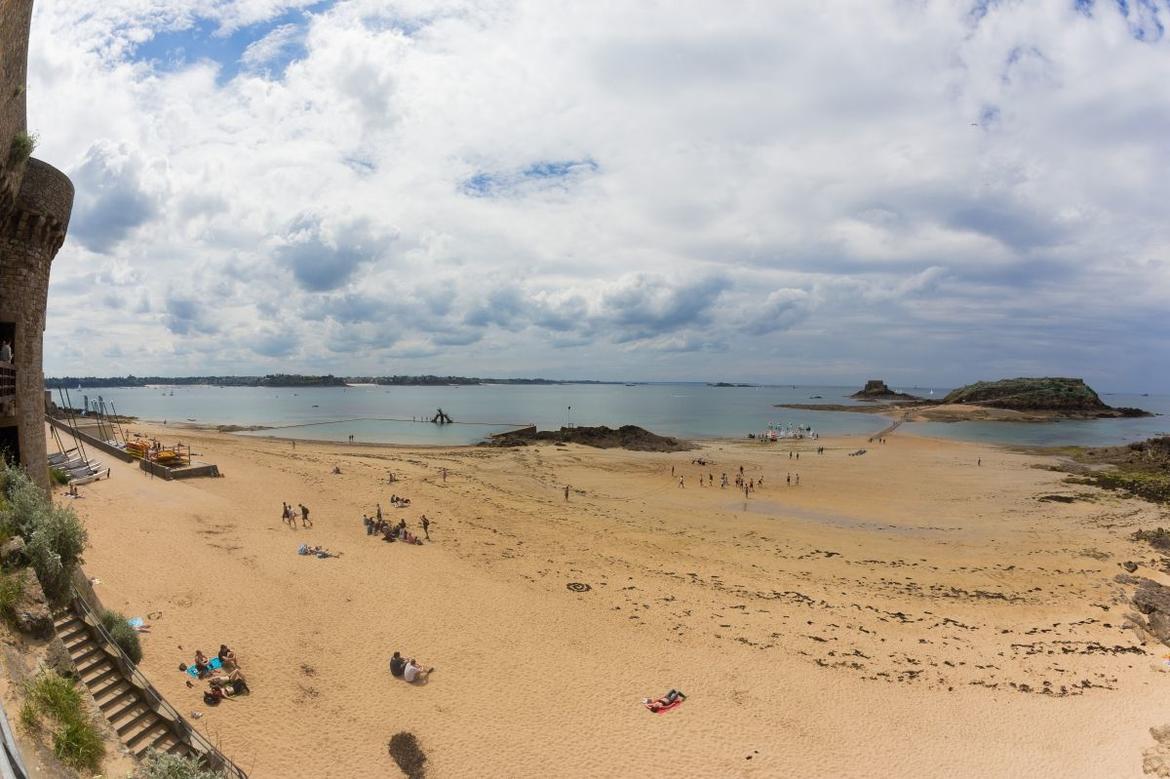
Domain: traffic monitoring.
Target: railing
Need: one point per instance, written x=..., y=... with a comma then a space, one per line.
x=216, y=760
x=7, y=381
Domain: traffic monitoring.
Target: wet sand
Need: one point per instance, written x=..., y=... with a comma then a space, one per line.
x=902, y=613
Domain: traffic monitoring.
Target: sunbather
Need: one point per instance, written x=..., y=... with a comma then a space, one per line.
x=670, y=699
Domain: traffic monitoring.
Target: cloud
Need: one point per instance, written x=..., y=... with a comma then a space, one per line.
x=324, y=256
x=110, y=200
x=498, y=187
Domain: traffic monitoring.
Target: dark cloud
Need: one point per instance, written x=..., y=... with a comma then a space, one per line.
x=110, y=201
x=323, y=258
x=187, y=316
x=276, y=344
x=643, y=306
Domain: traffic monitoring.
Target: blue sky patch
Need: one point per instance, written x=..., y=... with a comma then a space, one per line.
x=533, y=175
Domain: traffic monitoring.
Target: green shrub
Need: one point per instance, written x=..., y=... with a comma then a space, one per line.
x=79, y=745
x=11, y=588
x=54, y=696
x=58, y=476
x=29, y=717
x=21, y=148
x=54, y=537
x=124, y=636
x=76, y=742
x=160, y=765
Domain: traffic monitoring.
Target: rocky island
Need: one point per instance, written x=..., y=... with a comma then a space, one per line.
x=1007, y=400
x=629, y=437
x=876, y=389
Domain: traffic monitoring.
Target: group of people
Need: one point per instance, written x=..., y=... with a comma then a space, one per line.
x=224, y=679
x=395, y=531
x=408, y=670
x=288, y=515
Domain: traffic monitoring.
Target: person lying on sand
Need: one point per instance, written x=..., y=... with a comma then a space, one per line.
x=671, y=698
x=234, y=681
x=413, y=672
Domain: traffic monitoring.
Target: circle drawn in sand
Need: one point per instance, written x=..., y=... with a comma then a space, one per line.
x=578, y=587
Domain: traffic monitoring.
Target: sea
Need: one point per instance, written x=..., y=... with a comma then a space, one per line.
x=381, y=414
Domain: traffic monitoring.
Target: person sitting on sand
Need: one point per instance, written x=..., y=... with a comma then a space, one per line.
x=227, y=658
x=669, y=699
x=202, y=668
x=413, y=672
x=397, y=665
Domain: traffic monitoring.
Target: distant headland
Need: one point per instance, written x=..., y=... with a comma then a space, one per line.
x=1007, y=400
x=293, y=380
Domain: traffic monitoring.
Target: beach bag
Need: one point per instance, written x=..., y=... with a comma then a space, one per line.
x=210, y=699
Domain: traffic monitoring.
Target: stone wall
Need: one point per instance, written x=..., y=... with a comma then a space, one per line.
x=15, y=16
x=35, y=202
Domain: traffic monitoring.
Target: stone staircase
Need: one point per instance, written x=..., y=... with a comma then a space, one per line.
x=128, y=707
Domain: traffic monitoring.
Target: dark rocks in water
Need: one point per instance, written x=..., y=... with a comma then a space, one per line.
x=625, y=437
x=876, y=389
x=1068, y=396
x=408, y=754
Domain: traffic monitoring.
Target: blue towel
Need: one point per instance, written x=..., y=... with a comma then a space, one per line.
x=194, y=673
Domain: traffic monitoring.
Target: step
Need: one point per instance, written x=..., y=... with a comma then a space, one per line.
x=167, y=738
x=109, y=687
x=71, y=633
x=75, y=642
x=121, y=695
x=85, y=653
x=138, y=742
x=179, y=748
x=127, y=711
x=103, y=674
x=92, y=666
x=138, y=718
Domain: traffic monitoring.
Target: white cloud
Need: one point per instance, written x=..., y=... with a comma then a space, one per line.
x=488, y=187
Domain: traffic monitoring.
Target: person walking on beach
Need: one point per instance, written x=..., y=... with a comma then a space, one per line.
x=672, y=471
x=790, y=479
x=426, y=525
x=286, y=514
x=680, y=482
x=444, y=475
x=305, y=521
x=566, y=493
x=798, y=480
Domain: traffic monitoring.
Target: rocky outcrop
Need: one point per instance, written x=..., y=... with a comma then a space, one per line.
x=625, y=437
x=31, y=612
x=12, y=554
x=1069, y=397
x=876, y=389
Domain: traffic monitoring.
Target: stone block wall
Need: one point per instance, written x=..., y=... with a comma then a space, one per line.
x=35, y=202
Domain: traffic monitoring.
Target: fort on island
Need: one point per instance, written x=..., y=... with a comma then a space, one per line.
x=35, y=202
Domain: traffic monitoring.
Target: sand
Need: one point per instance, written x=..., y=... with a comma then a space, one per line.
x=903, y=613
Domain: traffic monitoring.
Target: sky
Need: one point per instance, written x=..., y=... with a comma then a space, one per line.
x=924, y=191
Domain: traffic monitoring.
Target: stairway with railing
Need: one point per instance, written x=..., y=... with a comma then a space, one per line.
x=139, y=714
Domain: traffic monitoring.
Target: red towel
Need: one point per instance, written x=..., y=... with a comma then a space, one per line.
x=668, y=707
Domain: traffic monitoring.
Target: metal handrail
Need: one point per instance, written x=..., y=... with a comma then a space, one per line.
x=216, y=760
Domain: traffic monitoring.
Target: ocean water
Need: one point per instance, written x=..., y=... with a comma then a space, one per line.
x=394, y=414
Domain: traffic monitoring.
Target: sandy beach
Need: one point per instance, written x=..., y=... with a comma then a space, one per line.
x=907, y=612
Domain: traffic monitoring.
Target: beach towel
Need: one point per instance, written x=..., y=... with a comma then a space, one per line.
x=668, y=707
x=214, y=663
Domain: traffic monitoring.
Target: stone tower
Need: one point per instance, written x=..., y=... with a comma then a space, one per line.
x=35, y=202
